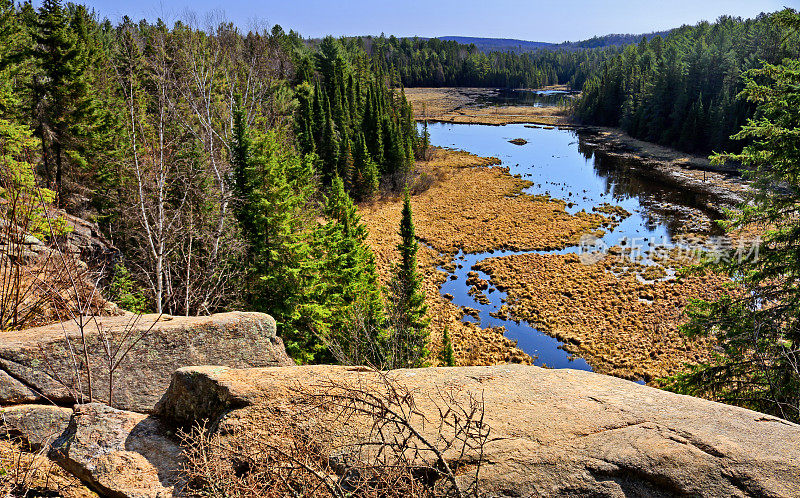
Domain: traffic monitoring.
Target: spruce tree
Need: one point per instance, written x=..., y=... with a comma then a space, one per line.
x=64, y=112
x=424, y=142
x=318, y=112
x=352, y=293
x=304, y=121
x=757, y=323
x=329, y=150
x=273, y=190
x=447, y=356
x=345, y=164
x=13, y=41
x=366, y=177
x=372, y=127
x=409, y=328
x=240, y=149
x=394, y=154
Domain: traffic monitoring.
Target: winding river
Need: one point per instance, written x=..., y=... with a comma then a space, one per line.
x=561, y=164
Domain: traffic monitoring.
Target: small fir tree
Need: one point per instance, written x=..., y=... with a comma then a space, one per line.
x=409, y=328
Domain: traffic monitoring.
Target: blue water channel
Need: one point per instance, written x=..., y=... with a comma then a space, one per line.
x=563, y=165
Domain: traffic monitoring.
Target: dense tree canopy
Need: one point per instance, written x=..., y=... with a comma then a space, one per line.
x=361, y=129
x=682, y=90
x=433, y=62
x=757, y=321
x=220, y=163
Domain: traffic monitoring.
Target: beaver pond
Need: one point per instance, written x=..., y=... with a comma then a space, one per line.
x=562, y=165
x=523, y=97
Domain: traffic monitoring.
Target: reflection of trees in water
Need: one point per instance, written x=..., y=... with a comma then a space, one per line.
x=663, y=201
x=526, y=98
x=586, y=150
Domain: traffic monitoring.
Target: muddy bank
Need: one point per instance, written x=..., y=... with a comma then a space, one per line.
x=692, y=172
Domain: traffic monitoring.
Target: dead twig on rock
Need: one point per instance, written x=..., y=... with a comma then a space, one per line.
x=368, y=437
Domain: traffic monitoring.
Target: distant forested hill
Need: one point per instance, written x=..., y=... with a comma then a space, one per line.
x=499, y=44
x=492, y=62
x=487, y=45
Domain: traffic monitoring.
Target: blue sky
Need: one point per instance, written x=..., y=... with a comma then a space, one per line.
x=548, y=20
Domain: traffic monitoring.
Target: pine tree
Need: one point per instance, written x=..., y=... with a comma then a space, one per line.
x=409, y=327
x=65, y=114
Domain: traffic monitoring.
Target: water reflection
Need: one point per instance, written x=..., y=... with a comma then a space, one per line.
x=532, y=98
x=564, y=165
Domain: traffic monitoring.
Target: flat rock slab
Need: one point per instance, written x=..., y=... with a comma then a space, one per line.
x=36, y=425
x=119, y=453
x=39, y=364
x=556, y=431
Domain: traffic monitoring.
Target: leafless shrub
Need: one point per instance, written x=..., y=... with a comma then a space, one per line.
x=175, y=223
x=38, y=281
x=21, y=471
x=422, y=183
x=42, y=281
x=360, y=343
x=367, y=438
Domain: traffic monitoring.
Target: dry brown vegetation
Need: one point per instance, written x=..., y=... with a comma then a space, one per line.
x=339, y=438
x=457, y=105
x=473, y=207
x=31, y=473
x=621, y=325
x=460, y=105
x=622, y=318
x=46, y=288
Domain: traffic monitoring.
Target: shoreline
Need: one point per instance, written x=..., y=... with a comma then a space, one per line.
x=621, y=316
x=615, y=324
x=692, y=172
x=723, y=183
x=474, y=205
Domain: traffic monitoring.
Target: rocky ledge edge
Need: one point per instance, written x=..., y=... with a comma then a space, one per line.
x=554, y=432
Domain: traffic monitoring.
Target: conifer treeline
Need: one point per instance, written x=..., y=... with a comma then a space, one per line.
x=361, y=129
x=436, y=63
x=678, y=90
x=681, y=90
x=433, y=62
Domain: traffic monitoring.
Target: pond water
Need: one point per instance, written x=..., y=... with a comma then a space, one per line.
x=521, y=97
x=562, y=165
